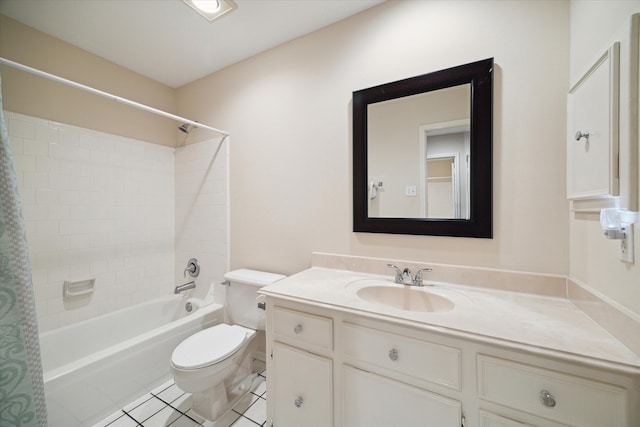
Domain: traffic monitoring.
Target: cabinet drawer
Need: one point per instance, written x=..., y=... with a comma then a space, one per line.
x=415, y=358
x=316, y=331
x=569, y=399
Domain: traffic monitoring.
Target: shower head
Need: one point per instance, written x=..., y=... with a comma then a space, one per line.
x=185, y=127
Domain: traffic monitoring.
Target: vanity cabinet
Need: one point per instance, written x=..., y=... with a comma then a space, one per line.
x=331, y=366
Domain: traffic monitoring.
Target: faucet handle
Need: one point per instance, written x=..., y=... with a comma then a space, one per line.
x=418, y=280
x=398, y=278
x=193, y=268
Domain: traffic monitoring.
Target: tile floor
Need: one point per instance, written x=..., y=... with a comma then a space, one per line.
x=167, y=405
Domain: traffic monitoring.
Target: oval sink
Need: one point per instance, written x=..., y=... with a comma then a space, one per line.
x=405, y=298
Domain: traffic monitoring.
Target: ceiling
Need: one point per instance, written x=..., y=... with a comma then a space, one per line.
x=168, y=41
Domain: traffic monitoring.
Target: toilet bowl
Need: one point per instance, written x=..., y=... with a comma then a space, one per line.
x=215, y=364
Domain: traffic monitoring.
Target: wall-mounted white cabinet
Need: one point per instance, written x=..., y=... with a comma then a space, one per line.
x=592, y=147
x=602, y=127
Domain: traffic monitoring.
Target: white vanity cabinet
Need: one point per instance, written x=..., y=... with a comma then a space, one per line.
x=324, y=370
x=331, y=366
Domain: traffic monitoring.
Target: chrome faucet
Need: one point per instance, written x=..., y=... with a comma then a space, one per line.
x=417, y=281
x=184, y=287
x=403, y=277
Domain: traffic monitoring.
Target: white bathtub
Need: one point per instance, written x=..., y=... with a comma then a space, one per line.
x=94, y=368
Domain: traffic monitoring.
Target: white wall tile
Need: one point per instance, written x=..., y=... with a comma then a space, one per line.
x=201, y=230
x=94, y=205
x=126, y=212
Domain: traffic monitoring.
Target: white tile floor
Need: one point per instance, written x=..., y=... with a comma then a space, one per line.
x=169, y=406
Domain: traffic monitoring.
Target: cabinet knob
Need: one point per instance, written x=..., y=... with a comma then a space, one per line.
x=298, y=328
x=547, y=399
x=580, y=135
x=393, y=354
x=298, y=402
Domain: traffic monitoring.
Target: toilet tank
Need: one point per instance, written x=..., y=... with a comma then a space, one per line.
x=241, y=304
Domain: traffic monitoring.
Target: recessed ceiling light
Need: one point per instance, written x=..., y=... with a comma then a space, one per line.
x=212, y=9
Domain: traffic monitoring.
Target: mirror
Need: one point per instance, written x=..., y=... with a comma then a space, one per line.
x=422, y=154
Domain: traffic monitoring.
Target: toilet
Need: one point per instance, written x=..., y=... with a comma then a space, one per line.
x=214, y=364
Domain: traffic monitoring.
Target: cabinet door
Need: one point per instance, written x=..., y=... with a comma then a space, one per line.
x=302, y=388
x=592, y=146
x=372, y=400
x=488, y=419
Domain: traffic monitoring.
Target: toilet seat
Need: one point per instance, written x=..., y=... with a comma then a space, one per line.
x=209, y=346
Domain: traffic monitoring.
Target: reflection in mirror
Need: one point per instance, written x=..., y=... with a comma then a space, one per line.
x=422, y=154
x=409, y=141
x=448, y=151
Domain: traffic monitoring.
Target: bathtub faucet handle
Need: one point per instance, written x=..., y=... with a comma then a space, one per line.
x=193, y=268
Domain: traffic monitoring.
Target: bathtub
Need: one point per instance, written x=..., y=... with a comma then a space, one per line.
x=94, y=368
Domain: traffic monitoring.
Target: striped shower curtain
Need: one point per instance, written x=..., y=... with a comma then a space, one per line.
x=22, y=400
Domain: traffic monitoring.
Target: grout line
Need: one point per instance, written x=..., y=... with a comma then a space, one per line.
x=170, y=403
x=187, y=415
x=246, y=418
x=152, y=415
x=136, y=421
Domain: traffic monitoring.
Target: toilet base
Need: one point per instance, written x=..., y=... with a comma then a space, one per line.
x=213, y=406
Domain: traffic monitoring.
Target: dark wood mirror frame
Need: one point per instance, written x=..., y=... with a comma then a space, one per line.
x=480, y=224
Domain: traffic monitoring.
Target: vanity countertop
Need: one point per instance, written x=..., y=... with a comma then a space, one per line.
x=539, y=324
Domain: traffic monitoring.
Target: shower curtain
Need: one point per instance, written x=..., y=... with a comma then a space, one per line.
x=22, y=401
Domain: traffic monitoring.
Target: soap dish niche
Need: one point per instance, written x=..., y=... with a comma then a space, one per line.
x=79, y=288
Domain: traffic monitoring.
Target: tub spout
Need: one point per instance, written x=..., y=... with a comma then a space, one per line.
x=184, y=287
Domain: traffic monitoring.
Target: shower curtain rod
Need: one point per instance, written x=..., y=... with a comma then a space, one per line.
x=108, y=95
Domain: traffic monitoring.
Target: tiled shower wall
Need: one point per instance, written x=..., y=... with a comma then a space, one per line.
x=95, y=206
x=201, y=214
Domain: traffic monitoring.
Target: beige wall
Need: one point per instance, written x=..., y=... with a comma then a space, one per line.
x=35, y=96
x=289, y=111
x=594, y=259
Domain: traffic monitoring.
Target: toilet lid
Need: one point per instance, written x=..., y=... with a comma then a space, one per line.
x=208, y=346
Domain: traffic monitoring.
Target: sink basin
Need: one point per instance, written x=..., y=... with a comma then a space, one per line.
x=405, y=298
